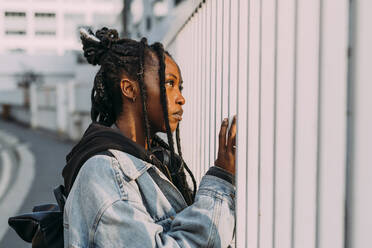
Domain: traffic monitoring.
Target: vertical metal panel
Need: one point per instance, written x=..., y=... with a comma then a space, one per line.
x=253, y=125
x=212, y=93
x=198, y=94
x=201, y=119
x=191, y=107
x=233, y=61
x=225, y=58
x=332, y=143
x=306, y=129
x=284, y=122
x=207, y=123
x=204, y=87
x=219, y=62
x=266, y=157
x=242, y=113
x=360, y=132
x=194, y=93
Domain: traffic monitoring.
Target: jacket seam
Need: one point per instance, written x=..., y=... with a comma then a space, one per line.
x=99, y=215
x=215, y=219
x=118, y=178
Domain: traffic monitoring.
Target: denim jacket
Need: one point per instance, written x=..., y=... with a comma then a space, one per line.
x=123, y=201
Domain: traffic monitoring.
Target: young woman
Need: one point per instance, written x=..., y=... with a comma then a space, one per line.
x=128, y=188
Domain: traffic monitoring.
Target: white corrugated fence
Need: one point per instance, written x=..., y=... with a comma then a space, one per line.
x=296, y=73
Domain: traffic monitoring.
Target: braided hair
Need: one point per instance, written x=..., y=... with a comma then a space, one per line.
x=117, y=56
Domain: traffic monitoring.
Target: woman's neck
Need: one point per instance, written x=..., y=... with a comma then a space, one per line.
x=131, y=125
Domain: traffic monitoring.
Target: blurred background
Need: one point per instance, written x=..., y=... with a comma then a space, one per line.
x=296, y=72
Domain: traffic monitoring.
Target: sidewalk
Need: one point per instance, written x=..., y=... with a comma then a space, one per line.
x=31, y=168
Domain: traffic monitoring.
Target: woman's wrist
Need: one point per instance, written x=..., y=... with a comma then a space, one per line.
x=221, y=173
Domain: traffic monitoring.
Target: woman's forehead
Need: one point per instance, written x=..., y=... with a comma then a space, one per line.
x=170, y=65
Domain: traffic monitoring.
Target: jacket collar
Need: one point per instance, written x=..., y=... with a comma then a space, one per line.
x=131, y=166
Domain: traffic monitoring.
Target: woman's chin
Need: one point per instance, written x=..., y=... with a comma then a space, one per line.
x=173, y=127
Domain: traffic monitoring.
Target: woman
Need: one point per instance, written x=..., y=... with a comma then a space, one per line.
x=125, y=186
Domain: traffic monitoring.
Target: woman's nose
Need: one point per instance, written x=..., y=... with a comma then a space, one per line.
x=180, y=99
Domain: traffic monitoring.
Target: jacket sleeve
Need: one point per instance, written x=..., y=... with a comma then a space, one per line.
x=209, y=222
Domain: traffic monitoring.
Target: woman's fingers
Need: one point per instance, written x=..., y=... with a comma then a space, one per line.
x=222, y=136
x=226, y=150
x=232, y=136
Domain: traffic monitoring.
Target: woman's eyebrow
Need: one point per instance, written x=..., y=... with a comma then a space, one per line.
x=172, y=75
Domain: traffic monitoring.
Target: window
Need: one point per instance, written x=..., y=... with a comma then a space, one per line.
x=45, y=33
x=45, y=15
x=15, y=32
x=15, y=14
x=16, y=50
x=45, y=24
x=15, y=23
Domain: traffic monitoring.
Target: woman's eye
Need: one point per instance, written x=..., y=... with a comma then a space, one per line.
x=170, y=82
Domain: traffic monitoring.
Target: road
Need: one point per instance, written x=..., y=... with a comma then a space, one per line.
x=49, y=151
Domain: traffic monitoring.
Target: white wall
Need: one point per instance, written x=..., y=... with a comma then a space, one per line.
x=303, y=163
x=12, y=97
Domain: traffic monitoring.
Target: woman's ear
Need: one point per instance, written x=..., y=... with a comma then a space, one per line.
x=129, y=89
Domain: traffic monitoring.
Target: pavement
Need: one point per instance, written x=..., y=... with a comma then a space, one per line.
x=31, y=162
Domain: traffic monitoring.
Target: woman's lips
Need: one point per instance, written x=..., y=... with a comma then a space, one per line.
x=177, y=117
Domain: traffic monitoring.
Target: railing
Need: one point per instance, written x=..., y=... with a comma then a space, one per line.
x=61, y=107
x=304, y=118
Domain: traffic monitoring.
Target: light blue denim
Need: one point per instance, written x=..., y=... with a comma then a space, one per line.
x=117, y=202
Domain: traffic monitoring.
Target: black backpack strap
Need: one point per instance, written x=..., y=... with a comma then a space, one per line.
x=107, y=153
x=59, y=194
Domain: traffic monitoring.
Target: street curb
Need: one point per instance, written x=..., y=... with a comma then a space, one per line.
x=6, y=171
x=13, y=200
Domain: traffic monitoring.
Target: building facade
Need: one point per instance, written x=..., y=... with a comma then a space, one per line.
x=51, y=26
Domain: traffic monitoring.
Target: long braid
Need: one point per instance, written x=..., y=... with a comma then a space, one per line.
x=184, y=164
x=178, y=140
x=143, y=92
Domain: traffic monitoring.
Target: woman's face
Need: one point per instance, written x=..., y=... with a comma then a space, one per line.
x=175, y=100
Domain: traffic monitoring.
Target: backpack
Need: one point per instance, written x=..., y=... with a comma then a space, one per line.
x=44, y=226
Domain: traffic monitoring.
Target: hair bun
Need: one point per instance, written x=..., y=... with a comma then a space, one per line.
x=95, y=46
x=107, y=37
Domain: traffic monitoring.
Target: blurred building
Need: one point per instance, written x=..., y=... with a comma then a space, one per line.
x=153, y=18
x=47, y=27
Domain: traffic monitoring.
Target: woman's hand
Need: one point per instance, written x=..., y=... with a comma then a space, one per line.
x=226, y=149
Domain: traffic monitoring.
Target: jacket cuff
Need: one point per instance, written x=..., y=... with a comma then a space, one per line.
x=221, y=173
x=217, y=188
